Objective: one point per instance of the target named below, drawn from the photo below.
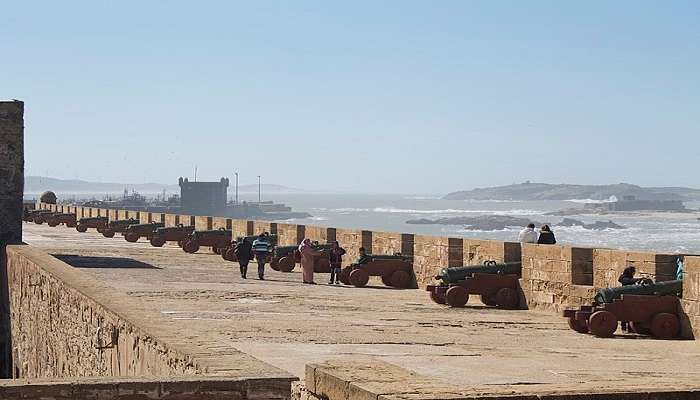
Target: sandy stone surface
(288, 324)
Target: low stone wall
(690, 324)
(287, 235)
(142, 389)
(67, 324)
(432, 253)
(351, 241)
(555, 277)
(609, 264)
(61, 330)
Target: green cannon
(456, 274)
(284, 258)
(649, 309)
(496, 283)
(645, 287)
(118, 226)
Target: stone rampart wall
(690, 324)
(608, 265)
(67, 324)
(59, 329)
(142, 389)
(554, 277)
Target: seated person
(364, 258)
(627, 277)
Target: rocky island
(529, 191)
(501, 222)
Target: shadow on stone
(102, 262)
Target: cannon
(395, 271)
(41, 216)
(171, 234)
(57, 219)
(650, 308)
(228, 253)
(284, 258)
(496, 283)
(217, 239)
(28, 215)
(134, 232)
(98, 223)
(119, 225)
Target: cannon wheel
(602, 323)
(53, 223)
(81, 228)
(578, 325)
(286, 263)
(216, 250)
(665, 326)
(323, 265)
(489, 299)
(38, 220)
(456, 296)
(507, 298)
(359, 278)
(437, 297)
(108, 233)
(640, 328)
(274, 263)
(386, 279)
(157, 242)
(226, 253)
(131, 237)
(345, 275)
(190, 246)
(400, 279)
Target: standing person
(528, 235)
(244, 252)
(546, 236)
(307, 261)
(625, 279)
(262, 249)
(336, 259)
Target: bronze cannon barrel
(607, 295)
(456, 274)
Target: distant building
(203, 198)
(630, 203)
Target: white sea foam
(612, 199)
(393, 210)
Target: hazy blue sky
(383, 96)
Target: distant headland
(531, 191)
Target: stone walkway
(289, 325)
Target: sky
(358, 96)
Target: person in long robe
(307, 261)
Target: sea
(653, 231)
(657, 231)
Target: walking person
(528, 235)
(336, 259)
(546, 236)
(307, 261)
(244, 252)
(262, 249)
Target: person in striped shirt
(262, 249)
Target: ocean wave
(423, 198)
(393, 210)
(592, 201)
